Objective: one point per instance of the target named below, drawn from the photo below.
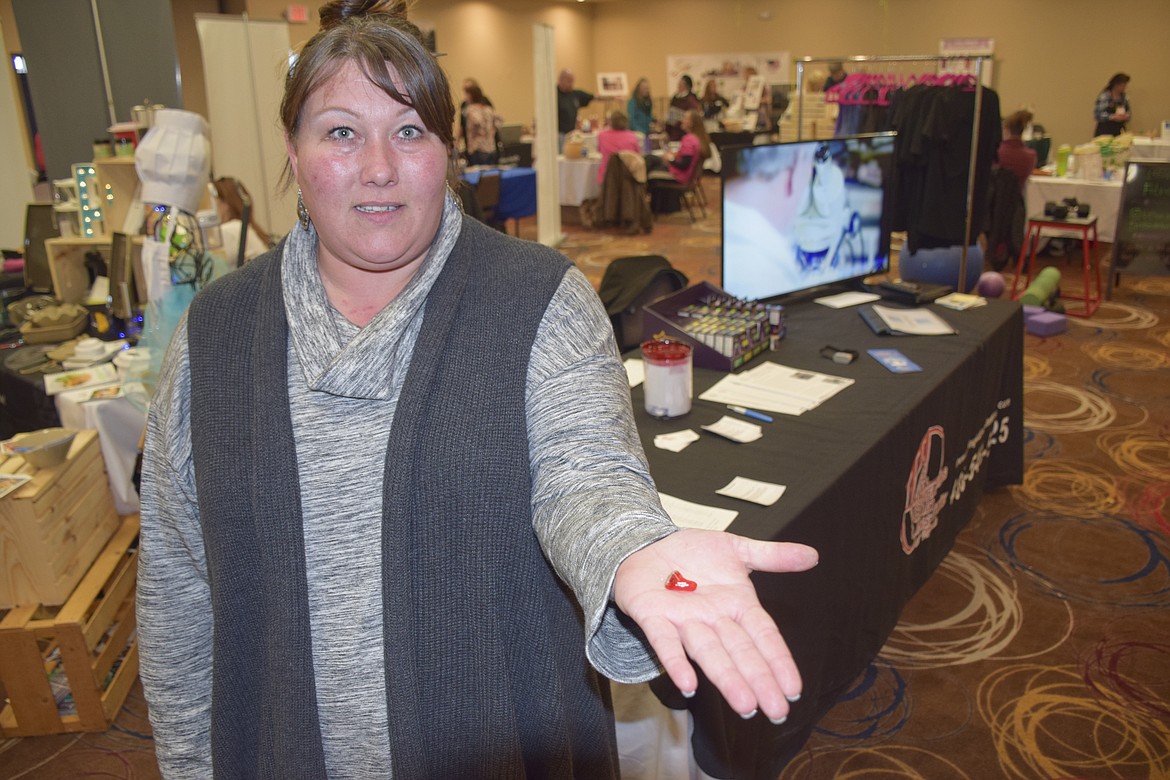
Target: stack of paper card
(961, 301)
(914, 322)
(845, 299)
(737, 430)
(675, 442)
(687, 514)
(771, 387)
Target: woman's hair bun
(336, 11)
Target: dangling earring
(302, 212)
(453, 195)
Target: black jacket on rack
(933, 157)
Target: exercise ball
(991, 284)
(941, 266)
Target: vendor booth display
(53, 526)
(70, 669)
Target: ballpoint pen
(750, 413)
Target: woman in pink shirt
(617, 137)
(693, 149)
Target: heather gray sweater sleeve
(593, 501)
(173, 601)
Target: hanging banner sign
(967, 47)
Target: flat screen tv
(805, 215)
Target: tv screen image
(806, 214)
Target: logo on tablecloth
(925, 496)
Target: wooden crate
(53, 527)
(66, 255)
(86, 649)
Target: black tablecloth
(24, 406)
(880, 479)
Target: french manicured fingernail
(749, 715)
(778, 721)
(687, 694)
(793, 698)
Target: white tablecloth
(579, 179)
(119, 424)
(1149, 149)
(654, 742)
(1103, 197)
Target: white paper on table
(635, 371)
(737, 390)
(675, 442)
(810, 386)
(916, 322)
(102, 374)
(846, 299)
(686, 514)
(765, 493)
(10, 482)
(741, 431)
(771, 387)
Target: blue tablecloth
(517, 192)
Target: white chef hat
(174, 160)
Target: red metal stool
(1087, 227)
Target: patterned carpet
(1040, 648)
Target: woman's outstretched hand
(720, 624)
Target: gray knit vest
(484, 646)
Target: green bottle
(1062, 155)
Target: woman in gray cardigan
(396, 517)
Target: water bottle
(1062, 155)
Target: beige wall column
(548, 179)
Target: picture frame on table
(612, 85)
(753, 93)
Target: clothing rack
(937, 58)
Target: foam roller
(1043, 288)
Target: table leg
(1091, 297)
(1097, 268)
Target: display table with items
(880, 478)
(1102, 197)
(517, 191)
(39, 392)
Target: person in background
(684, 100)
(1013, 154)
(617, 137)
(343, 572)
(693, 149)
(1112, 111)
(468, 83)
(836, 76)
(640, 108)
(713, 103)
(569, 102)
(480, 134)
(230, 194)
